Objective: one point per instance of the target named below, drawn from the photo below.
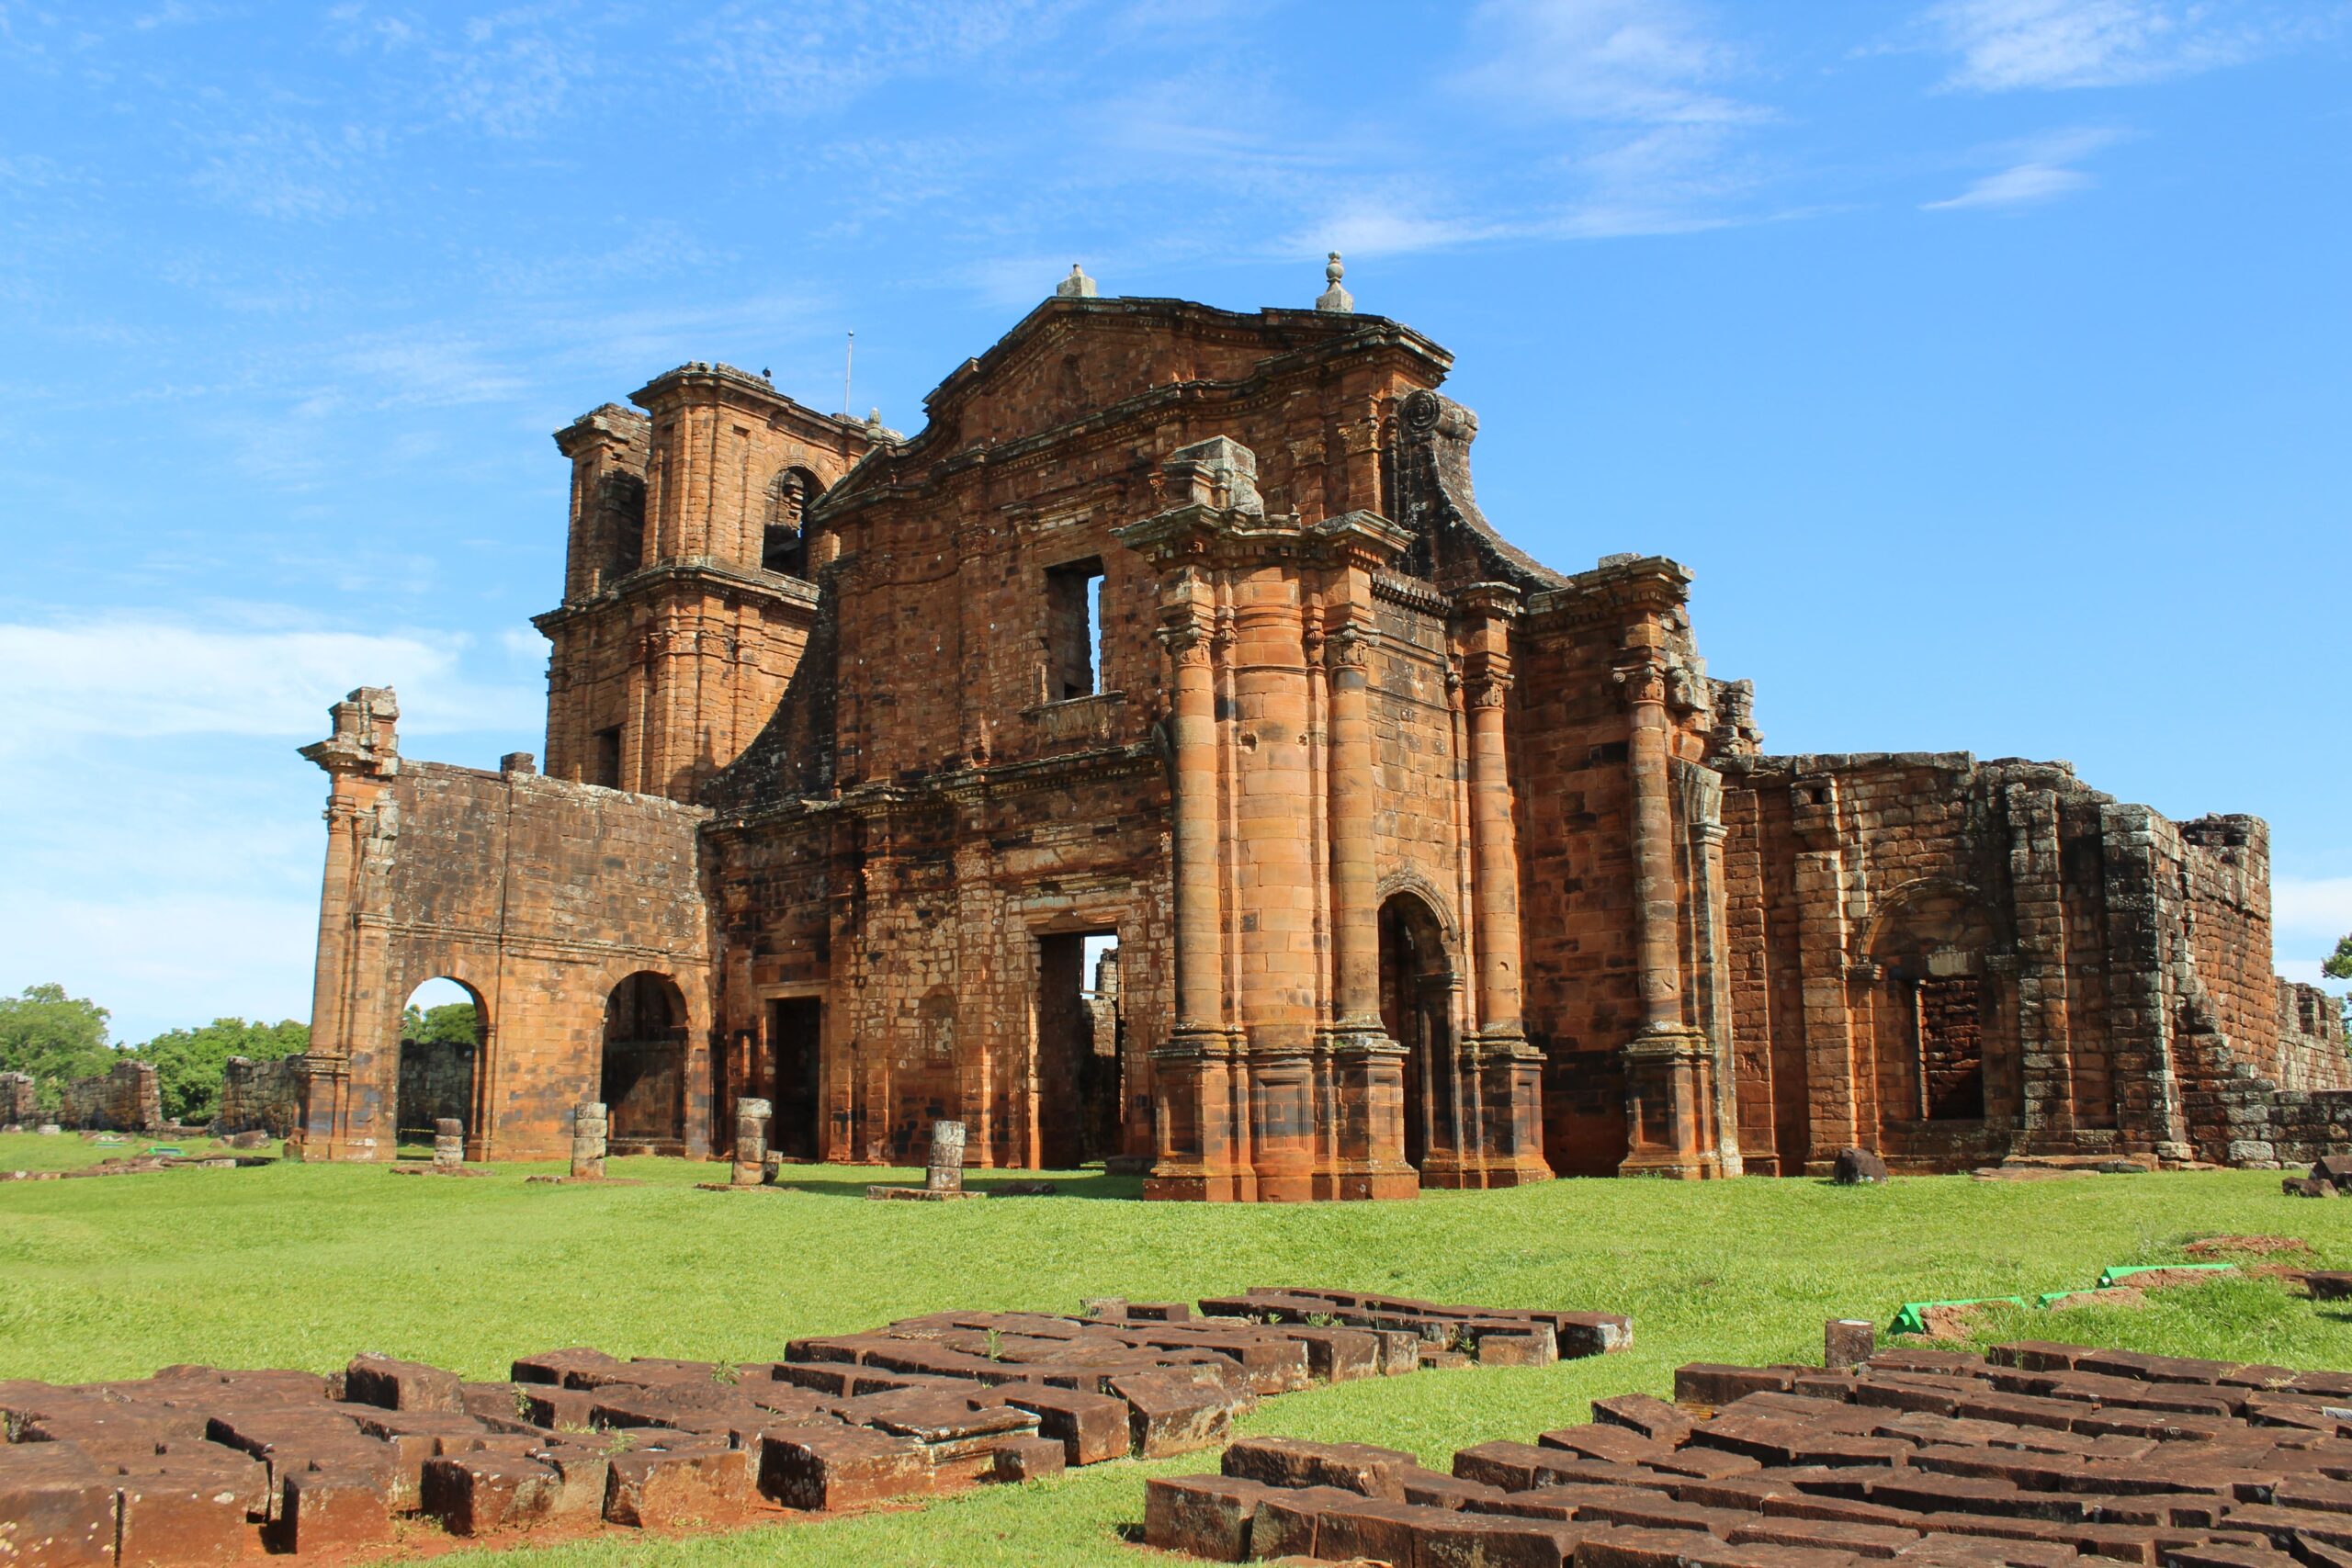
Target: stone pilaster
(1670, 1115)
(1501, 1073)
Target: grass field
(306, 1265)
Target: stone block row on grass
(2036, 1455)
(196, 1465)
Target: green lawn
(306, 1265)
(71, 1151)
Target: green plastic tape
(2116, 1276)
(1913, 1318)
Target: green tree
(452, 1023)
(2338, 964)
(54, 1037)
(190, 1062)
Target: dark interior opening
(1073, 630)
(796, 1033)
(1416, 1007)
(784, 544)
(644, 1079)
(1080, 1033)
(1950, 1019)
(604, 758)
(623, 504)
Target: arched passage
(1416, 1009)
(443, 1026)
(644, 1077)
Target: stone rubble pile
(2330, 1175)
(198, 1465)
(2037, 1456)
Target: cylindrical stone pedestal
(449, 1144)
(946, 1157)
(751, 1142)
(588, 1131)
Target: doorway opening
(1416, 1009)
(644, 1077)
(795, 1043)
(1080, 1034)
(441, 1035)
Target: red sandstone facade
(1427, 865)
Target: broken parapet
(260, 1097)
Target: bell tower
(688, 586)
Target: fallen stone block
(1029, 1459)
(1359, 1468)
(1856, 1167)
(330, 1510)
(1201, 1515)
(692, 1483)
(57, 1508)
(558, 1366)
(840, 1466)
(402, 1385)
(1090, 1428)
(1169, 1414)
(476, 1494)
(173, 1516)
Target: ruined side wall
(2313, 1049)
(1575, 889)
(260, 1097)
(127, 1099)
(20, 1101)
(918, 925)
(538, 896)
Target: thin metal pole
(848, 358)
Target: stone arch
(1405, 879)
(784, 539)
(1942, 1011)
(644, 1064)
(436, 1074)
(1418, 981)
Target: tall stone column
(360, 758)
(1368, 1066)
(1194, 1067)
(1671, 1123)
(1501, 1069)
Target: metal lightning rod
(848, 358)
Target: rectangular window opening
(604, 758)
(1073, 630)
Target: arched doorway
(442, 1029)
(644, 1079)
(1416, 1009)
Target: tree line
(58, 1038)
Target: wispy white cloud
(2003, 45)
(143, 676)
(2038, 170)
(801, 60)
(1632, 62)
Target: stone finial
(1077, 286)
(1334, 298)
(1219, 472)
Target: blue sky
(1985, 358)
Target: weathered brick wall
(538, 895)
(19, 1104)
(264, 1096)
(2313, 1049)
(126, 1098)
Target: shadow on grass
(854, 1180)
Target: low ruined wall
(126, 1100)
(540, 897)
(436, 1083)
(2312, 1052)
(19, 1105)
(265, 1097)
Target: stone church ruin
(1176, 632)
